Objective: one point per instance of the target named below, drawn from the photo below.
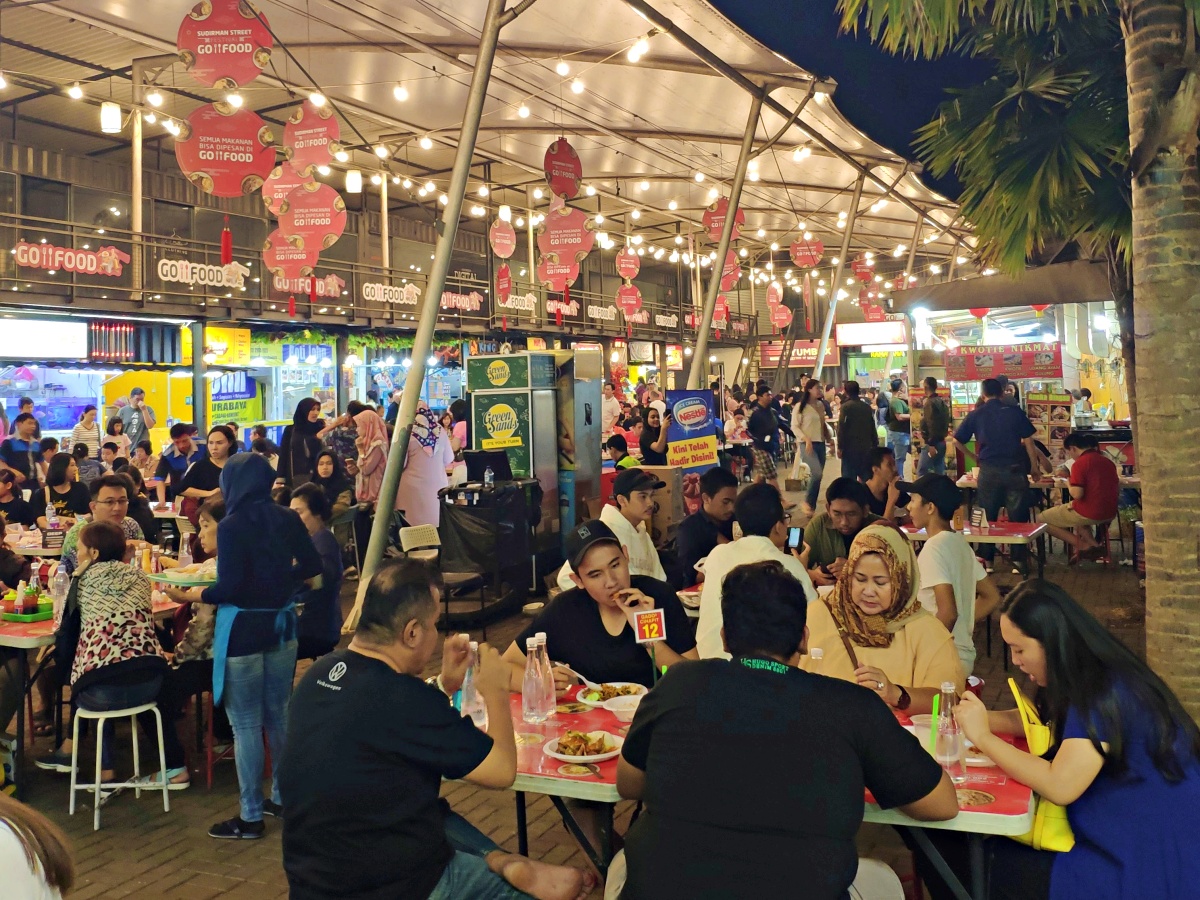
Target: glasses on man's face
(124, 501)
(787, 517)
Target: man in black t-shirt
(368, 745)
(12, 505)
(716, 823)
(886, 500)
(708, 526)
(588, 627)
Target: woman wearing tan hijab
(871, 628)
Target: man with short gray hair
(137, 417)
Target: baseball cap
(586, 536)
(939, 490)
(635, 479)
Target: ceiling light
(961, 260)
(752, 175)
(576, 86)
(395, 179)
(483, 190)
(672, 205)
(150, 118)
(674, 257)
(935, 269)
(562, 68)
(443, 199)
(743, 253)
(801, 153)
(538, 194)
(342, 156)
(377, 179)
(699, 176)
(154, 98)
(505, 213)
(110, 117)
(323, 170)
(234, 100)
(75, 92)
(841, 223)
(774, 246)
(835, 260)
(400, 92)
(406, 184)
(590, 191)
(639, 49)
(599, 218)
(842, 214)
(761, 232)
(678, 239)
(520, 223)
(381, 151)
(713, 193)
(426, 143)
(477, 210)
(645, 185)
(353, 181)
(636, 214)
(430, 187)
(317, 99)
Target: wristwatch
(904, 700)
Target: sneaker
(237, 829)
(55, 762)
(273, 809)
(351, 573)
(152, 781)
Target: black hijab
(337, 483)
(300, 423)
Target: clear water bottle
(60, 584)
(472, 701)
(533, 687)
(51, 517)
(547, 674)
(185, 555)
(489, 477)
(950, 747)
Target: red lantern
(1039, 309)
(226, 244)
(979, 312)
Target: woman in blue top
(1124, 761)
(264, 555)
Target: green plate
(189, 579)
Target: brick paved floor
(141, 851)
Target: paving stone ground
(140, 851)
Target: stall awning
(1079, 281)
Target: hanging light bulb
(110, 117)
(483, 190)
(636, 214)
(353, 181)
(599, 218)
(505, 213)
(699, 176)
(395, 179)
(645, 185)
(234, 100)
(576, 86)
(801, 153)
(430, 187)
(75, 92)
(523, 111)
(538, 194)
(406, 184)
(3, 81)
(381, 151)
(590, 191)
(342, 156)
(155, 98)
(150, 118)
(323, 170)
(520, 223)
(639, 49)
(317, 99)
(678, 239)
(672, 205)
(443, 199)
(562, 68)
(377, 179)
(400, 92)
(426, 143)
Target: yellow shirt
(921, 655)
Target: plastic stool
(1102, 536)
(131, 713)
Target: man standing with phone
(137, 417)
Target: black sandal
(42, 727)
(237, 829)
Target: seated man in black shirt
(368, 746)
(588, 627)
(713, 825)
(887, 500)
(12, 505)
(708, 526)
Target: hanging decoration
(503, 291)
(774, 294)
(1040, 309)
(979, 312)
(224, 151)
(285, 260)
(806, 253)
(731, 272)
(223, 44)
(566, 234)
(720, 317)
(714, 220)
(310, 137)
(226, 244)
(313, 216)
(564, 171)
(806, 294)
(628, 264)
(282, 181)
(503, 239)
(781, 316)
(556, 276)
(863, 268)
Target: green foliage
(1041, 147)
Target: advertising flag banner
(691, 440)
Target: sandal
(42, 727)
(237, 829)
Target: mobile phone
(794, 535)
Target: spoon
(590, 684)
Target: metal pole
(135, 199)
(532, 270)
(912, 331)
(385, 239)
(714, 282)
(199, 382)
(494, 20)
(836, 286)
(953, 262)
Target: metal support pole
(199, 382)
(700, 357)
(953, 262)
(385, 238)
(341, 350)
(532, 251)
(494, 20)
(912, 331)
(835, 286)
(138, 74)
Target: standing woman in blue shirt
(264, 554)
(1124, 761)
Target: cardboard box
(668, 503)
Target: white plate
(641, 689)
(976, 758)
(551, 749)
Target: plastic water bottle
(547, 675)
(489, 477)
(185, 555)
(51, 517)
(472, 702)
(59, 586)
(533, 687)
(950, 749)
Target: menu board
(1037, 360)
(1051, 418)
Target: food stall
(1034, 368)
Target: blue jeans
(257, 690)
(468, 875)
(101, 697)
(816, 464)
(466, 838)
(932, 460)
(899, 441)
(1008, 487)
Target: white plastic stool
(98, 787)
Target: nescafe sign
(223, 44)
(224, 151)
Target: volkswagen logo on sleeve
(335, 674)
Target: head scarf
(371, 432)
(426, 428)
(897, 552)
(300, 421)
(246, 479)
(335, 484)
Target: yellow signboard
(231, 345)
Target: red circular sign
(565, 235)
(564, 171)
(774, 293)
(222, 44)
(714, 220)
(721, 309)
(503, 239)
(503, 283)
(556, 275)
(629, 299)
(310, 137)
(286, 261)
(863, 268)
(314, 216)
(781, 316)
(807, 254)
(224, 151)
(282, 181)
(629, 264)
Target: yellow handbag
(1051, 830)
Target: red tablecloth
(532, 739)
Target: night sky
(887, 97)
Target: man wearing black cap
(633, 494)
(954, 586)
(588, 627)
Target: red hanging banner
(555, 275)
(503, 239)
(714, 220)
(282, 181)
(224, 151)
(863, 269)
(628, 264)
(564, 171)
(310, 137)
(731, 272)
(313, 216)
(286, 261)
(566, 235)
(781, 316)
(503, 283)
(222, 43)
(629, 299)
(774, 294)
(807, 254)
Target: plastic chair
(101, 717)
(423, 542)
(1102, 536)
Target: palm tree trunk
(1166, 288)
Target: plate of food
(584, 747)
(608, 690)
(195, 575)
(973, 757)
